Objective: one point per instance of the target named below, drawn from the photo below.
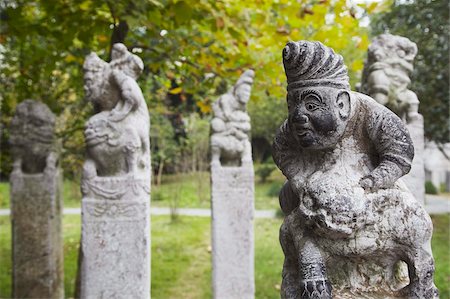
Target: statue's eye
(311, 106)
(312, 102)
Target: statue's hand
(367, 183)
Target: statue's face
(318, 116)
(32, 131)
(243, 92)
(93, 85)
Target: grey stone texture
(230, 127)
(232, 195)
(36, 204)
(115, 242)
(386, 79)
(351, 226)
(232, 232)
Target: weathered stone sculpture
(36, 204)
(115, 245)
(232, 194)
(386, 79)
(350, 224)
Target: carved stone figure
(232, 194)
(386, 79)
(386, 74)
(115, 251)
(230, 143)
(350, 224)
(36, 204)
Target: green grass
(181, 266)
(181, 258)
(191, 190)
(441, 253)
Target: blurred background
(193, 51)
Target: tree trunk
(118, 35)
(160, 171)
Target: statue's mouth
(304, 132)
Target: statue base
(37, 249)
(232, 204)
(115, 244)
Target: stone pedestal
(115, 238)
(36, 235)
(415, 179)
(232, 231)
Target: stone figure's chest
(330, 190)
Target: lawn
(181, 266)
(181, 256)
(191, 190)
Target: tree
(425, 22)
(194, 49)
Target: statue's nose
(301, 119)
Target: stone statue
(350, 224)
(115, 251)
(386, 74)
(36, 204)
(232, 194)
(117, 136)
(32, 140)
(386, 79)
(231, 124)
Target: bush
(430, 188)
(264, 171)
(274, 190)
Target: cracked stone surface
(351, 228)
(36, 204)
(115, 244)
(232, 194)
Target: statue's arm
(130, 93)
(394, 146)
(286, 159)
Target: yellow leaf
(70, 58)
(85, 5)
(102, 38)
(204, 107)
(176, 90)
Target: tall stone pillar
(232, 194)
(115, 241)
(386, 79)
(36, 204)
(415, 179)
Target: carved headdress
(313, 64)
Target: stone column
(415, 179)
(232, 194)
(115, 241)
(36, 204)
(386, 78)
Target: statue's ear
(343, 104)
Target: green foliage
(194, 50)
(430, 188)
(264, 171)
(425, 22)
(274, 189)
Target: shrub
(430, 188)
(264, 171)
(274, 190)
